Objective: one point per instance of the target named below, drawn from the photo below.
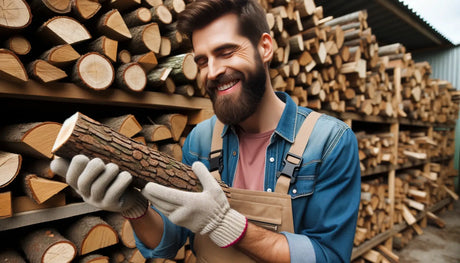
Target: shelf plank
(69, 92)
(45, 215)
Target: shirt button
(269, 190)
(272, 159)
(294, 191)
(234, 153)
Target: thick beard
(233, 110)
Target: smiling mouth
(227, 85)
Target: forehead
(223, 30)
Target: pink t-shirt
(250, 171)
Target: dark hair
(198, 14)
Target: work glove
(207, 212)
(101, 185)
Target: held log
(83, 135)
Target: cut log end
(94, 71)
(65, 132)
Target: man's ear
(266, 47)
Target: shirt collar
(288, 122)
(286, 126)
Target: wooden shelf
(45, 215)
(69, 92)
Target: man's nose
(215, 68)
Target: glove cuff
(230, 230)
(138, 210)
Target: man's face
(231, 69)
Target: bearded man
(294, 173)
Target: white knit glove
(206, 212)
(102, 186)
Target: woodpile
(117, 44)
(105, 238)
(374, 211)
(375, 149)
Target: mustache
(224, 78)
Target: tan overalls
(271, 210)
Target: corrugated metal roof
(391, 22)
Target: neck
(268, 114)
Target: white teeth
(226, 86)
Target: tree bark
(83, 135)
(48, 246)
(91, 233)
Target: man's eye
(227, 53)
(201, 63)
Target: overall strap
(215, 156)
(293, 158)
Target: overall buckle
(291, 164)
(216, 162)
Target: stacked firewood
(124, 44)
(374, 211)
(417, 189)
(91, 238)
(375, 149)
(427, 99)
(414, 146)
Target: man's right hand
(102, 185)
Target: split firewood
(112, 25)
(186, 90)
(16, 14)
(10, 255)
(18, 44)
(137, 17)
(45, 72)
(105, 46)
(10, 165)
(48, 7)
(435, 219)
(131, 77)
(175, 122)
(24, 203)
(35, 139)
(47, 245)
(175, 6)
(123, 228)
(172, 149)
(124, 56)
(85, 9)
(6, 207)
(126, 254)
(125, 124)
(145, 38)
(165, 47)
(161, 15)
(94, 71)
(148, 60)
(83, 135)
(94, 258)
(184, 69)
(155, 132)
(57, 30)
(60, 55)
(41, 189)
(12, 68)
(91, 233)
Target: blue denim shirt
(325, 196)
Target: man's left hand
(206, 212)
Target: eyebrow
(217, 50)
